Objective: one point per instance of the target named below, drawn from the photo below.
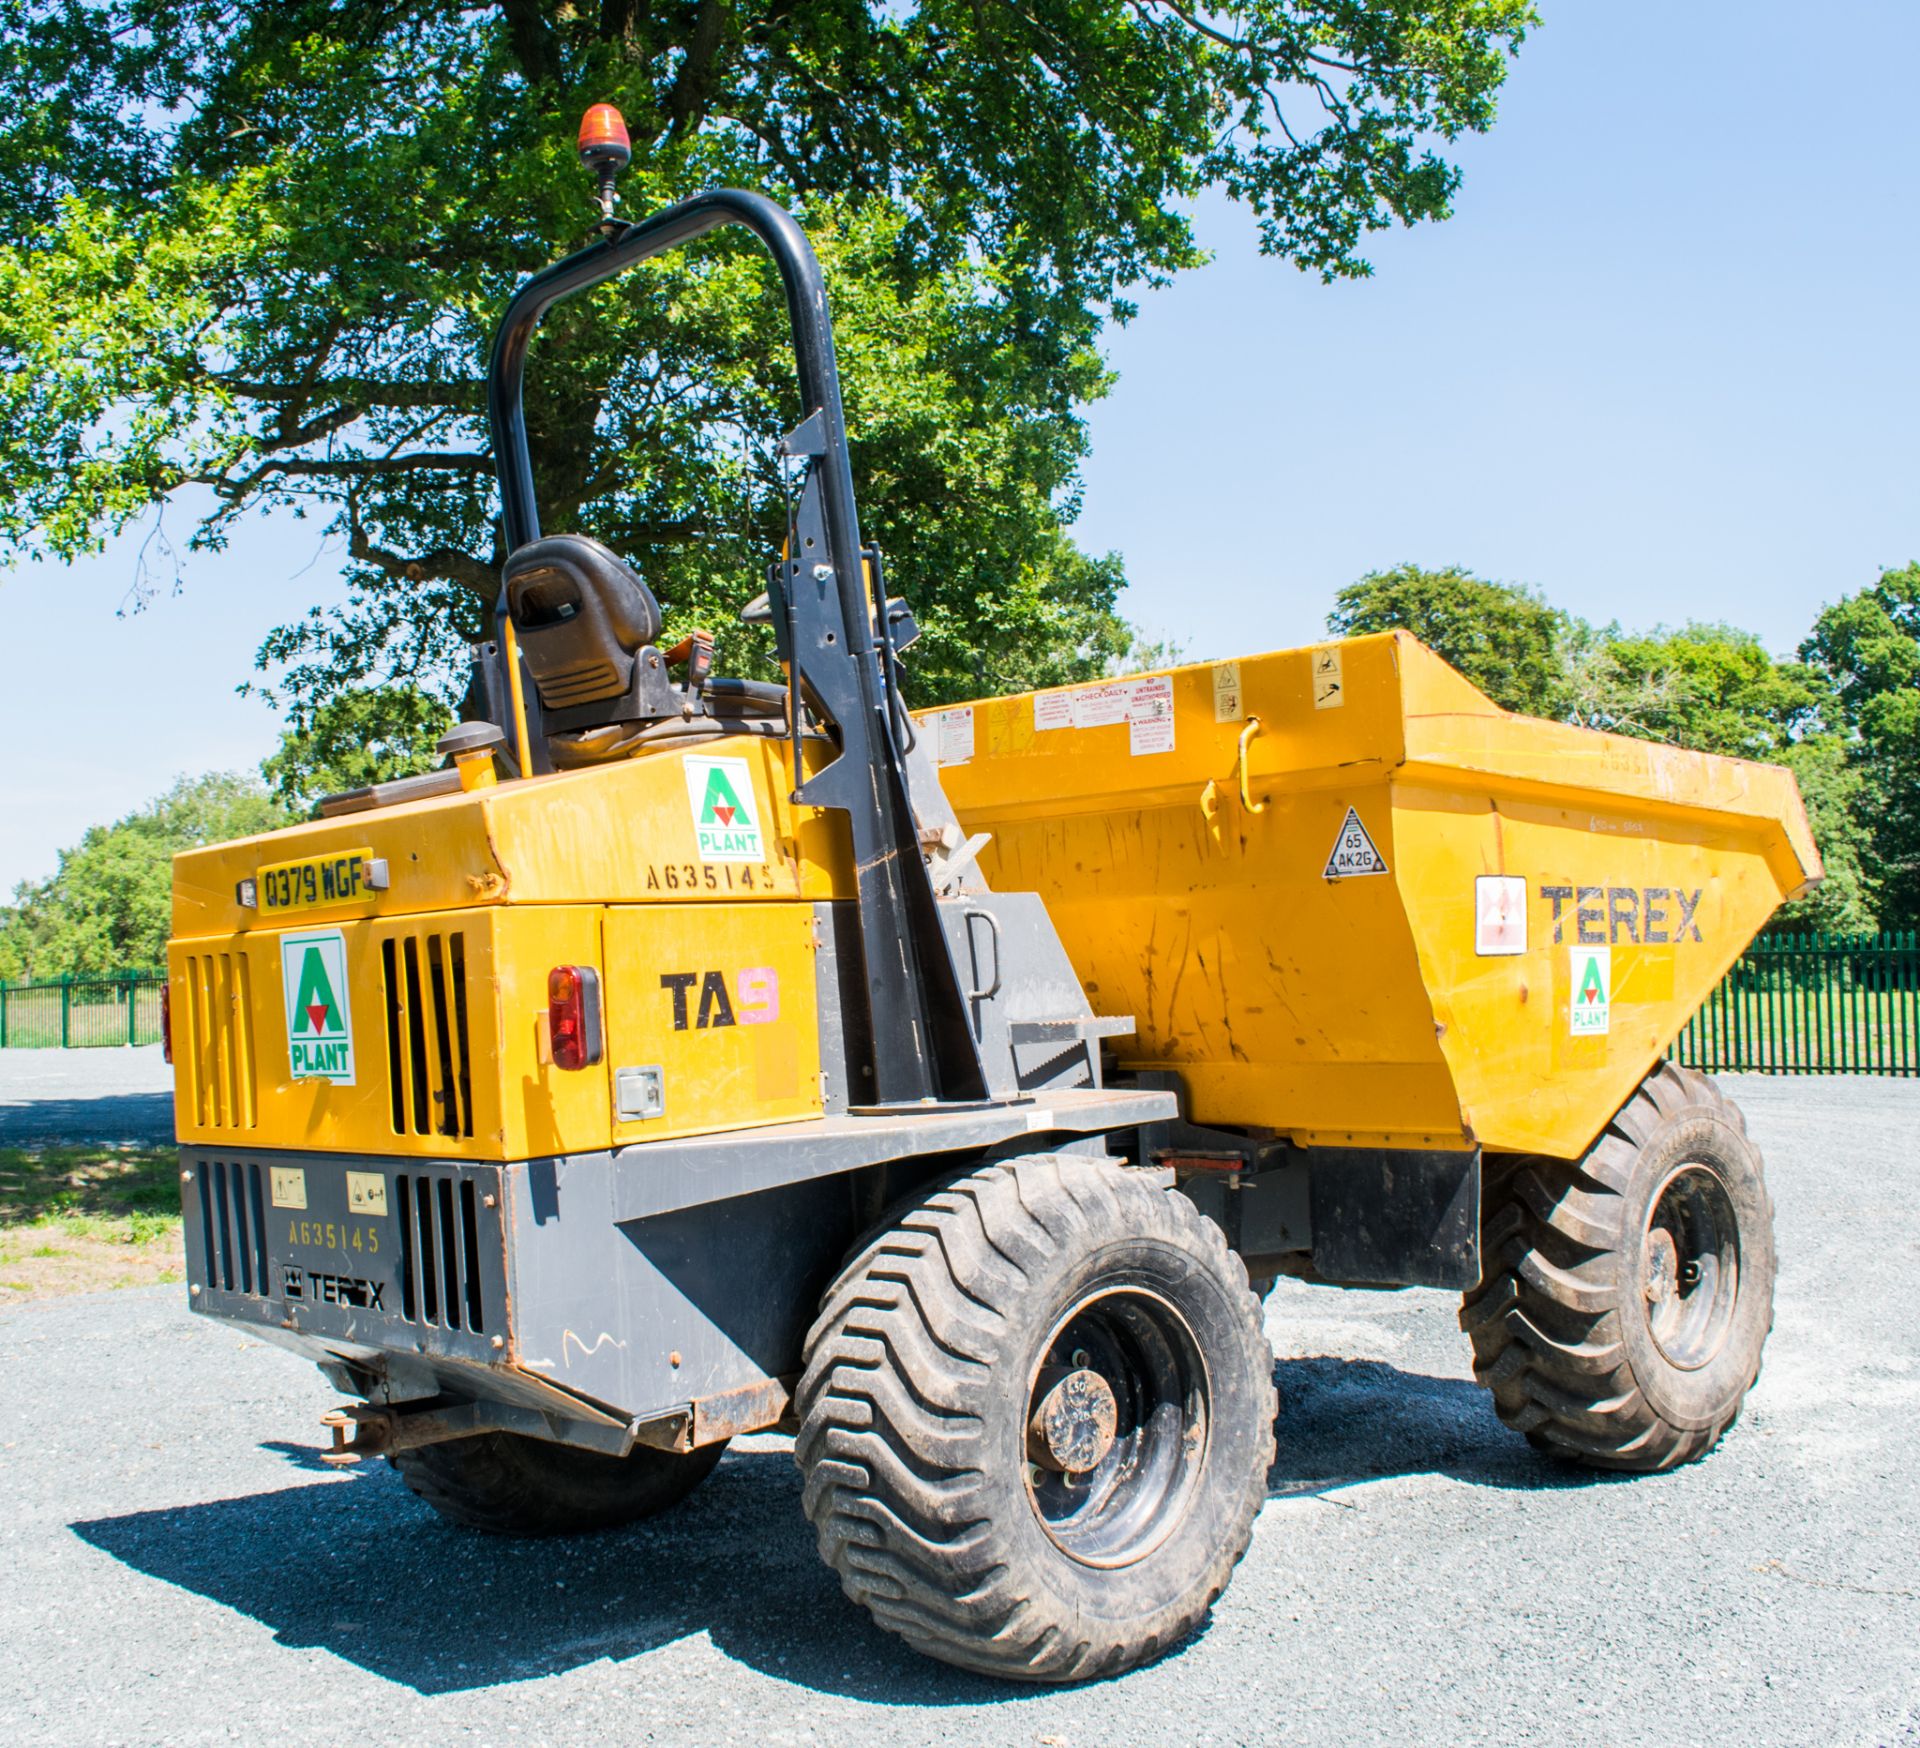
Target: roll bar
(806, 291)
(922, 1042)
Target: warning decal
(1499, 915)
(953, 735)
(1228, 703)
(1353, 852)
(1329, 691)
(1590, 1011)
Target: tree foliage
(1505, 639)
(108, 905)
(355, 737)
(256, 252)
(1869, 645)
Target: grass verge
(74, 1219)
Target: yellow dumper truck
(694, 1057)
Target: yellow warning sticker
(366, 1192)
(1329, 691)
(289, 1187)
(1228, 703)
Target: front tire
(504, 1484)
(1627, 1299)
(1036, 1421)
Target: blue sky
(1663, 364)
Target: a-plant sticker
(724, 820)
(313, 971)
(1589, 1012)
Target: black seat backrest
(581, 615)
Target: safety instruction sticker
(1052, 710)
(313, 972)
(1145, 705)
(1103, 705)
(953, 735)
(725, 821)
(1499, 915)
(289, 1186)
(1228, 703)
(366, 1192)
(1329, 691)
(1150, 717)
(1353, 852)
(1589, 1013)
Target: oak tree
(254, 253)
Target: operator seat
(586, 625)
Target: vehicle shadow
(357, 1566)
(360, 1568)
(1344, 1422)
(144, 1119)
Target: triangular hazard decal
(1353, 852)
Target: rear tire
(1627, 1299)
(1036, 1420)
(506, 1485)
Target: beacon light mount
(605, 150)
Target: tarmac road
(177, 1568)
(112, 1094)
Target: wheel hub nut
(1073, 1422)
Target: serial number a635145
(342, 1235)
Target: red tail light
(166, 1022)
(573, 1016)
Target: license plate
(316, 882)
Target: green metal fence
(74, 1012)
(1813, 1004)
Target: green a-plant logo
(724, 820)
(313, 971)
(1590, 1011)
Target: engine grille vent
(233, 1224)
(440, 1249)
(217, 1041)
(429, 1070)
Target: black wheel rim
(1690, 1275)
(1122, 1508)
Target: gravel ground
(85, 1095)
(179, 1569)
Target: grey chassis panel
(259, 1261)
(675, 1271)
(650, 1316)
(1367, 1216)
(660, 1177)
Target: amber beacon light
(605, 150)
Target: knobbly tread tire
(1558, 1321)
(503, 1484)
(915, 1382)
